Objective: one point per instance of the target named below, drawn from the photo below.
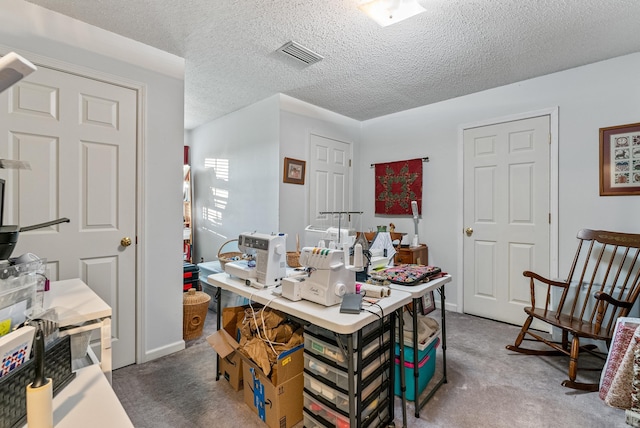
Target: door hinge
(349, 163)
(549, 218)
(549, 138)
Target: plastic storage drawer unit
(190, 276)
(331, 351)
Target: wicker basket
(224, 257)
(195, 306)
(293, 259)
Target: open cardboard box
(277, 401)
(225, 344)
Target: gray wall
(234, 166)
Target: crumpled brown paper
(258, 329)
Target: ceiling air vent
(299, 52)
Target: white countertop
(75, 302)
(328, 317)
(88, 401)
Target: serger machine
(328, 278)
(270, 258)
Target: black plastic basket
(13, 387)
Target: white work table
(328, 317)
(80, 309)
(89, 400)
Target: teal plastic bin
(426, 369)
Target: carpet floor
(488, 386)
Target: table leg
(444, 335)
(105, 348)
(403, 386)
(351, 387)
(443, 380)
(218, 326)
(416, 361)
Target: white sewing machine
(339, 236)
(270, 257)
(328, 279)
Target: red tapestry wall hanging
(397, 184)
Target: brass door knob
(125, 242)
(468, 231)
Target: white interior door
(329, 179)
(506, 215)
(79, 136)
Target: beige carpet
(488, 386)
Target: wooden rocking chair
(605, 286)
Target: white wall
(298, 120)
(590, 97)
(246, 140)
(27, 28)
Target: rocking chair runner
(603, 284)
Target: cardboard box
(224, 342)
(231, 370)
(277, 401)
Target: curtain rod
(423, 160)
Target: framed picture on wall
(620, 160)
(293, 171)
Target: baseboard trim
(163, 351)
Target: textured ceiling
(457, 47)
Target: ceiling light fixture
(387, 12)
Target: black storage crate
(13, 387)
(190, 276)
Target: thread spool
(375, 291)
(358, 261)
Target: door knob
(125, 242)
(468, 231)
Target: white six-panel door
(329, 179)
(79, 136)
(506, 215)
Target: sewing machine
(339, 236)
(270, 258)
(328, 277)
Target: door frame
(552, 112)
(141, 143)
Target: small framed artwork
(620, 160)
(428, 304)
(293, 171)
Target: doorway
(509, 213)
(80, 137)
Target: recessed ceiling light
(387, 12)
